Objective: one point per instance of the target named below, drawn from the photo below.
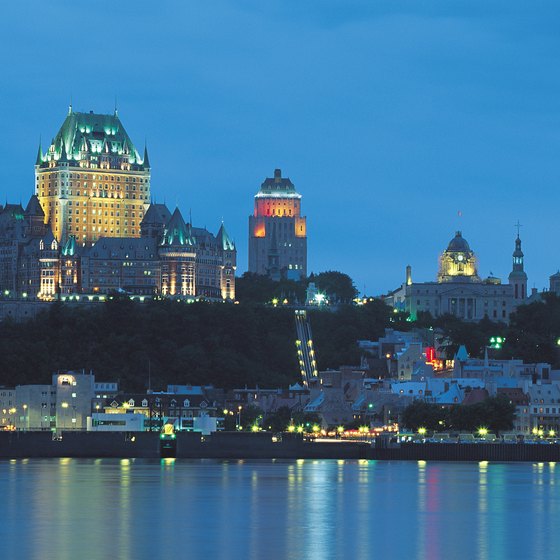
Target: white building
(7, 408)
(65, 404)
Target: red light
(430, 354)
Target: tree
(251, 415)
(280, 420)
(338, 286)
(420, 414)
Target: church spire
(518, 276)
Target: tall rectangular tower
(277, 231)
(92, 182)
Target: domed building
(460, 291)
(458, 263)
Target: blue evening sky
(389, 117)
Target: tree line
(229, 346)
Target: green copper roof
(15, 211)
(83, 134)
(177, 232)
(69, 249)
(224, 239)
(39, 155)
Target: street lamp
(25, 417)
(239, 408)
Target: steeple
(39, 154)
(518, 256)
(224, 239)
(63, 154)
(518, 276)
(146, 162)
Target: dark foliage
(221, 344)
(255, 288)
(495, 413)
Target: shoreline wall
(236, 445)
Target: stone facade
(278, 231)
(460, 291)
(171, 258)
(90, 227)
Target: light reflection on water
(68, 508)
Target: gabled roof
(224, 240)
(475, 396)
(49, 238)
(177, 232)
(34, 207)
(14, 211)
(462, 354)
(157, 214)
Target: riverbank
(235, 445)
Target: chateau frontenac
(91, 228)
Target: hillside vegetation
(234, 345)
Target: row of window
(53, 175)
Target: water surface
(66, 509)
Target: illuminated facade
(171, 258)
(92, 182)
(90, 227)
(278, 231)
(460, 291)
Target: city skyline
(390, 120)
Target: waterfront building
(460, 291)
(194, 410)
(65, 404)
(278, 231)
(7, 408)
(542, 412)
(92, 182)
